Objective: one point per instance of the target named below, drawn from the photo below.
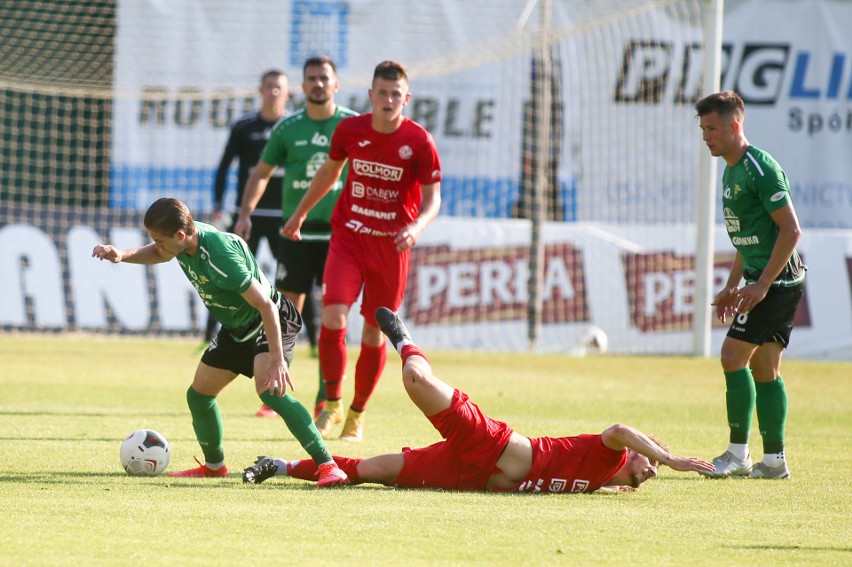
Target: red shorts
(369, 262)
(467, 457)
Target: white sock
(739, 450)
(282, 466)
(774, 459)
(215, 466)
(401, 344)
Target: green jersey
(300, 145)
(221, 270)
(754, 188)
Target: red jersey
(473, 443)
(571, 464)
(383, 191)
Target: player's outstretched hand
(107, 252)
(689, 464)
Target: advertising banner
(466, 289)
(623, 91)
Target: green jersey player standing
(299, 143)
(764, 229)
(259, 330)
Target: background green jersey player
(764, 229)
(299, 143)
(259, 330)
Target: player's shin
(300, 423)
(207, 423)
(772, 414)
(739, 397)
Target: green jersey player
(259, 330)
(299, 143)
(764, 229)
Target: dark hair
(726, 103)
(274, 73)
(167, 216)
(390, 71)
(318, 60)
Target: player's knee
(735, 357)
(416, 370)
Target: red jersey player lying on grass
(480, 453)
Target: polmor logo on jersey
(490, 284)
(661, 291)
(377, 170)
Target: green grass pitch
(67, 402)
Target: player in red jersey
(480, 453)
(392, 192)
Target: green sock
(207, 422)
(772, 414)
(300, 424)
(321, 390)
(739, 399)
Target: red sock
(368, 370)
(408, 351)
(332, 357)
(306, 469)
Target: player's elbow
(614, 434)
(796, 233)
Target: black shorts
(771, 321)
(300, 264)
(226, 353)
(262, 226)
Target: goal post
(706, 201)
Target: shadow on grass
(64, 478)
(771, 547)
(104, 413)
(172, 440)
(56, 477)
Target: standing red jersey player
(392, 193)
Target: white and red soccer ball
(144, 452)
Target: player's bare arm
(789, 233)
(619, 437)
(277, 373)
(321, 184)
(429, 207)
(254, 190)
(148, 254)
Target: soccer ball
(596, 341)
(591, 341)
(144, 453)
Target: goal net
(577, 114)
